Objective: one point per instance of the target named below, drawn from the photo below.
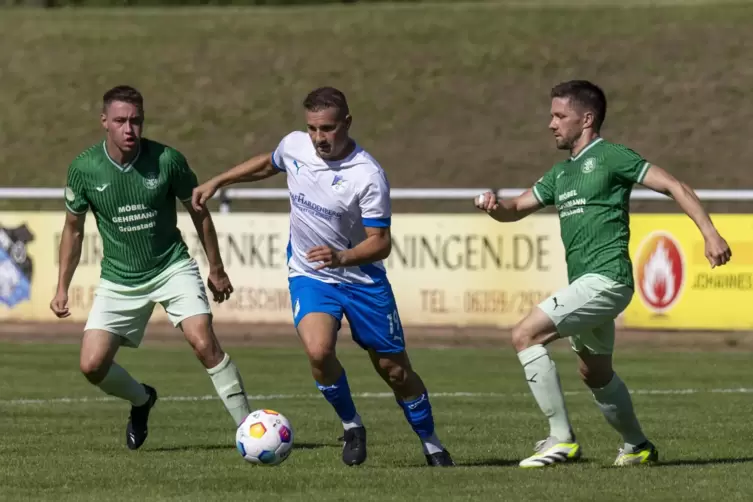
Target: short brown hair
(586, 94)
(327, 97)
(125, 94)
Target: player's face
(567, 123)
(328, 132)
(123, 123)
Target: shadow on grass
(505, 462)
(210, 447)
(489, 462)
(704, 461)
(192, 447)
(314, 446)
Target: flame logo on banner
(660, 271)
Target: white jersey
(331, 203)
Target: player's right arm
(517, 208)
(71, 240)
(254, 169)
(506, 210)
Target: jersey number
(394, 322)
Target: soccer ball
(265, 437)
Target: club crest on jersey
(15, 265)
(151, 181)
(588, 165)
(339, 184)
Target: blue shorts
(370, 310)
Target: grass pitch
(444, 95)
(55, 449)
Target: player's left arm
(375, 247)
(657, 179)
(183, 182)
(219, 282)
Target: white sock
(355, 423)
(120, 384)
(432, 445)
(542, 377)
(229, 385)
(615, 403)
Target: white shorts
(126, 310)
(585, 312)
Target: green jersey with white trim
(592, 194)
(134, 207)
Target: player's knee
(207, 350)
(93, 369)
(205, 345)
(320, 357)
(595, 377)
(395, 374)
(398, 376)
(521, 336)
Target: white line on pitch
(377, 395)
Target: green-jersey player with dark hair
(130, 184)
(591, 191)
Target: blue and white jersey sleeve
(278, 156)
(374, 200)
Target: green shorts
(126, 310)
(585, 312)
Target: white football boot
(551, 451)
(641, 455)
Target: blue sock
(338, 395)
(418, 414)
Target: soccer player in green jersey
(591, 191)
(130, 184)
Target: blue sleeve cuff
(377, 222)
(275, 164)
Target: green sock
(615, 403)
(229, 385)
(120, 384)
(542, 377)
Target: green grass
(444, 96)
(74, 451)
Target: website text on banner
(675, 285)
(458, 270)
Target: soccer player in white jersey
(340, 215)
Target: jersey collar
(587, 148)
(328, 165)
(125, 167)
